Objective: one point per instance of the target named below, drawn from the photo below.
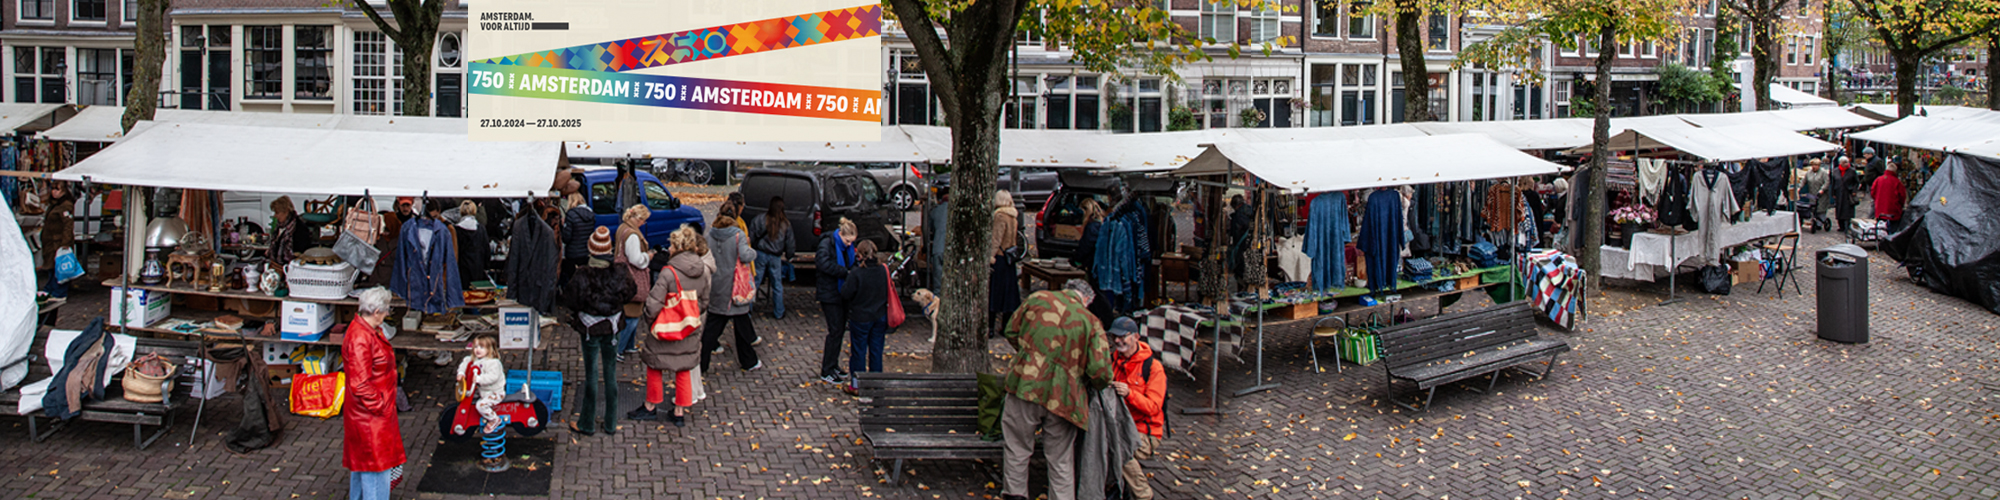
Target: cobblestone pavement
(1714, 397)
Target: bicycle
(690, 171)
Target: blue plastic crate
(547, 388)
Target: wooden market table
(407, 339)
(1046, 271)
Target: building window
(97, 77)
(1360, 24)
(1791, 51)
(1218, 21)
(1562, 98)
(264, 62)
(1358, 94)
(130, 10)
(1026, 37)
(1152, 108)
(1264, 23)
(378, 75)
(1650, 50)
(38, 75)
(125, 57)
(38, 9)
(87, 10)
(1021, 110)
(1439, 36)
(312, 58)
(1812, 46)
(1326, 18)
(1073, 102)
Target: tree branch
(380, 23)
(931, 53)
(1942, 44)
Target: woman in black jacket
(578, 222)
(835, 256)
(597, 294)
(866, 292)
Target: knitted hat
(600, 241)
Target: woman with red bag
(866, 292)
(686, 271)
(373, 443)
(731, 249)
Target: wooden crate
(1300, 310)
(1468, 282)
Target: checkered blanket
(1172, 331)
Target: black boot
(642, 413)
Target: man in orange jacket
(1143, 384)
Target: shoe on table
(642, 414)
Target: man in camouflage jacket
(1061, 354)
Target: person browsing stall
(1142, 381)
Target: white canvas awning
(895, 147)
(1974, 136)
(101, 123)
(1731, 143)
(1526, 135)
(1800, 119)
(293, 160)
(17, 115)
(1796, 99)
(1322, 166)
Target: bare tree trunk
(1992, 50)
(1764, 59)
(414, 31)
(417, 73)
(1590, 257)
(1906, 81)
(151, 42)
(1416, 75)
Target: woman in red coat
(373, 448)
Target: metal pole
(1222, 303)
(1263, 294)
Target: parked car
(904, 182)
(1059, 224)
(815, 200)
(1036, 184)
(668, 212)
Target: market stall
(1682, 196)
(355, 158)
(1441, 176)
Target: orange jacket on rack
(1148, 392)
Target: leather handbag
(743, 290)
(680, 316)
(357, 252)
(895, 304)
(364, 224)
(148, 379)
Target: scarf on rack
(1652, 174)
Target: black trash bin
(1843, 293)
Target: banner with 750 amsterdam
(675, 70)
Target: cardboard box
(305, 321)
(207, 385)
(147, 307)
(282, 374)
(520, 328)
(280, 353)
(1748, 271)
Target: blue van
(668, 212)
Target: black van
(815, 200)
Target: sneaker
(718, 350)
(758, 366)
(758, 342)
(850, 389)
(642, 414)
(830, 379)
(621, 358)
(443, 359)
(678, 420)
(634, 350)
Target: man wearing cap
(1874, 166)
(1142, 381)
(1061, 356)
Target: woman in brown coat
(1003, 283)
(58, 232)
(680, 357)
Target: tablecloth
(1649, 255)
(1172, 332)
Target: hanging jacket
(1086, 245)
(1771, 179)
(1673, 205)
(426, 274)
(81, 378)
(1382, 237)
(532, 258)
(1104, 448)
(1326, 240)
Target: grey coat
(683, 354)
(729, 246)
(1112, 439)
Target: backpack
(1166, 417)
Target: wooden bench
(922, 415)
(114, 408)
(1460, 346)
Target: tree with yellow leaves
(1606, 23)
(1911, 30)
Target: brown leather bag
(363, 223)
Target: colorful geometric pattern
(638, 89)
(708, 43)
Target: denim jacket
(427, 278)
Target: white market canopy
(1719, 144)
(1796, 99)
(1972, 134)
(1526, 135)
(1325, 166)
(17, 115)
(1799, 119)
(293, 160)
(101, 123)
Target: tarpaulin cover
(17, 301)
(1952, 243)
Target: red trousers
(683, 388)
